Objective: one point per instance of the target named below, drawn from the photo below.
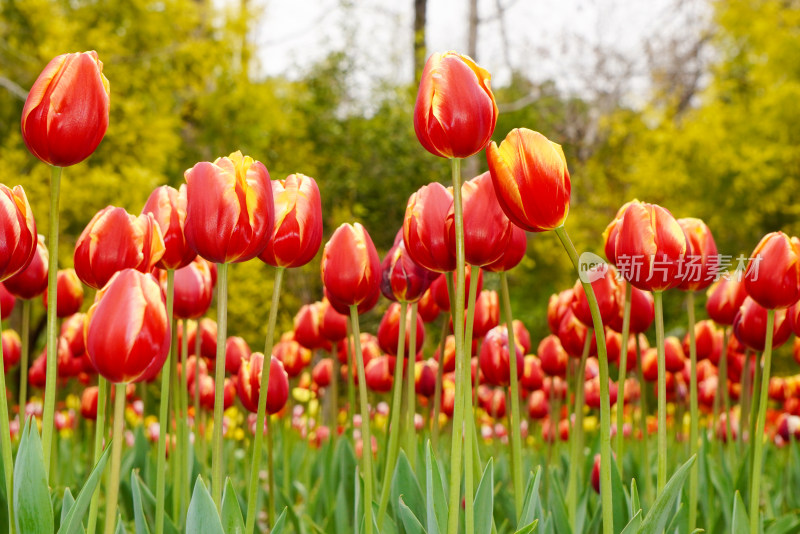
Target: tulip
(12, 349)
(531, 179)
(675, 358)
(350, 266)
(725, 297)
(115, 240)
(591, 392)
(642, 311)
(448, 361)
(7, 302)
(72, 332)
(297, 230)
(427, 307)
(455, 112)
(208, 338)
(292, 355)
(538, 407)
(702, 259)
(378, 373)
(248, 384)
(334, 324)
(611, 232)
(573, 335)
(32, 281)
(441, 292)
(307, 326)
(66, 113)
(552, 356)
(370, 348)
(608, 292)
(389, 331)
(18, 239)
(193, 291)
(487, 313)
(89, 403)
(236, 351)
(69, 293)
(322, 374)
(513, 253)
(425, 233)
(750, 326)
(532, 373)
(557, 306)
(425, 378)
(494, 357)
(402, 279)
(708, 340)
(229, 208)
(772, 277)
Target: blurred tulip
(425, 233)
(611, 232)
(208, 338)
(521, 336)
(650, 365)
(513, 253)
(236, 351)
(708, 341)
(115, 240)
(441, 292)
(292, 355)
(750, 326)
(725, 297)
(557, 307)
(72, 332)
(308, 326)
(37, 372)
(7, 302)
(608, 293)
(702, 262)
(532, 374)
(402, 279)
(229, 208)
(552, 356)
(191, 363)
(531, 179)
(494, 357)
(167, 205)
(378, 373)
(66, 113)
(248, 384)
(455, 112)
(487, 313)
(369, 349)
(12, 349)
(322, 374)
(18, 238)
(538, 407)
(350, 266)
(32, 281)
(643, 311)
(675, 358)
(193, 289)
(493, 401)
(389, 332)
(427, 308)
(448, 361)
(596, 474)
(592, 393)
(297, 232)
(651, 247)
(772, 277)
(127, 333)
(334, 324)
(89, 403)
(425, 378)
(572, 334)
(69, 293)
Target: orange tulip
(772, 277)
(69, 293)
(350, 266)
(18, 238)
(750, 326)
(425, 232)
(401, 277)
(248, 384)
(389, 331)
(702, 262)
(168, 207)
(725, 297)
(32, 281)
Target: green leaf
(484, 500)
(66, 504)
(140, 522)
(661, 511)
(280, 523)
(33, 511)
(635, 504)
(73, 522)
(741, 523)
(558, 508)
(202, 517)
(620, 500)
(405, 485)
(531, 499)
(120, 527)
(634, 524)
(232, 522)
(410, 521)
(149, 508)
(436, 501)
(529, 529)
(785, 524)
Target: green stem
(694, 432)
(623, 373)
(469, 417)
(758, 438)
(5, 439)
(576, 436)
(183, 396)
(52, 319)
(261, 412)
(462, 361)
(661, 479)
(176, 462)
(366, 435)
(24, 353)
(99, 435)
(437, 392)
(754, 406)
(605, 408)
(112, 492)
(334, 394)
(199, 429)
(514, 423)
(163, 412)
(722, 390)
(351, 382)
(644, 463)
(219, 384)
(270, 472)
(394, 424)
(745, 399)
(411, 392)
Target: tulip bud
(308, 326)
(322, 374)
(513, 253)
(455, 112)
(494, 357)
(12, 349)
(427, 308)
(552, 356)
(725, 297)
(675, 358)
(448, 361)
(89, 403)
(193, 289)
(351, 267)
(69, 293)
(442, 294)
(643, 311)
(611, 232)
(487, 313)
(32, 281)
(532, 374)
(750, 326)
(401, 277)
(18, 238)
(72, 332)
(572, 334)
(236, 351)
(248, 384)
(378, 373)
(557, 306)
(389, 331)
(425, 233)
(167, 205)
(66, 113)
(608, 292)
(772, 277)
(334, 324)
(292, 355)
(208, 338)
(425, 378)
(702, 263)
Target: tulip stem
(270, 469)
(623, 373)
(661, 477)
(469, 416)
(8, 462)
(758, 437)
(99, 436)
(263, 392)
(219, 384)
(516, 440)
(393, 430)
(351, 382)
(52, 319)
(744, 400)
(177, 447)
(576, 435)
(437, 392)
(366, 435)
(605, 398)
(163, 411)
(112, 492)
(199, 429)
(694, 432)
(25, 351)
(644, 461)
(183, 396)
(722, 391)
(411, 392)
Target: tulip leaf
(620, 500)
(72, 523)
(410, 521)
(280, 523)
(531, 499)
(785, 524)
(140, 522)
(232, 522)
(635, 504)
(120, 527)
(149, 508)
(33, 510)
(634, 524)
(202, 517)
(436, 500)
(66, 504)
(656, 519)
(558, 508)
(741, 522)
(404, 484)
(484, 500)
(529, 529)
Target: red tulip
(538, 407)
(643, 311)
(72, 331)
(297, 231)
(308, 326)
(401, 277)
(614, 348)
(236, 351)
(611, 232)
(708, 341)
(572, 334)
(596, 474)
(334, 324)
(772, 277)
(750, 326)
(448, 361)
(531, 179)
(115, 240)
(322, 374)
(229, 208)
(18, 239)
(702, 262)
(487, 313)
(427, 308)
(167, 205)
(193, 289)
(379, 374)
(208, 338)
(608, 292)
(552, 356)
(557, 306)
(425, 233)
(521, 336)
(192, 362)
(350, 266)
(532, 374)
(37, 373)
(248, 384)
(389, 331)
(513, 253)
(7, 302)
(69, 293)
(425, 378)
(651, 247)
(725, 297)
(127, 333)
(487, 230)
(442, 294)
(650, 365)
(369, 349)
(592, 392)
(66, 113)
(675, 358)
(32, 281)
(455, 113)
(494, 357)
(292, 355)
(493, 401)
(12, 349)
(89, 403)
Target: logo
(591, 267)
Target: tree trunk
(420, 53)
